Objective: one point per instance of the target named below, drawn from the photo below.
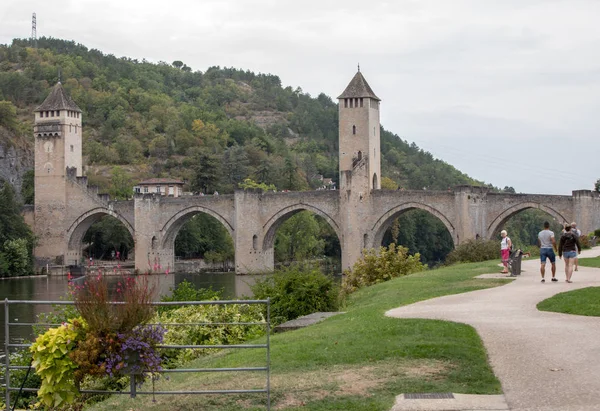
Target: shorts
(547, 253)
(570, 254)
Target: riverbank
(354, 361)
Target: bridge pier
(253, 250)
(586, 210)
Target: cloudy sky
(507, 91)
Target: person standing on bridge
(505, 246)
(547, 245)
(568, 246)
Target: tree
(597, 185)
(298, 238)
(206, 172)
(177, 64)
(121, 184)
(27, 189)
(249, 183)
(388, 184)
(16, 238)
(8, 115)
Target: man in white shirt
(547, 245)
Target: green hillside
(212, 129)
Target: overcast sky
(507, 91)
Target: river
(54, 288)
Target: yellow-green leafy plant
(53, 364)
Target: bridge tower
(359, 162)
(58, 141)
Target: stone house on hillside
(163, 186)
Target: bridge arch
(82, 224)
(501, 219)
(385, 221)
(171, 228)
(271, 226)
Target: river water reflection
(55, 288)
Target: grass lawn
(590, 262)
(585, 301)
(359, 360)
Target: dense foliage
(16, 238)
(376, 266)
(295, 292)
(217, 331)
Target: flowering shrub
(107, 340)
(94, 303)
(135, 353)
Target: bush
(53, 364)
(186, 291)
(20, 357)
(585, 242)
(295, 293)
(377, 266)
(472, 251)
(218, 334)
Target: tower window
(70, 127)
(75, 128)
(72, 148)
(361, 102)
(353, 129)
(254, 242)
(359, 155)
(52, 113)
(351, 100)
(345, 103)
(57, 113)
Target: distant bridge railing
(133, 392)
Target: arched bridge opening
(419, 227)
(99, 234)
(196, 238)
(302, 233)
(524, 221)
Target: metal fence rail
(133, 392)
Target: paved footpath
(545, 361)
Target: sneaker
(554, 279)
(543, 280)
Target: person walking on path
(547, 245)
(505, 246)
(577, 232)
(568, 246)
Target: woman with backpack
(569, 246)
(505, 247)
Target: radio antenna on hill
(34, 31)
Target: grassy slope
(585, 301)
(590, 262)
(355, 361)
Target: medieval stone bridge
(359, 212)
(252, 218)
